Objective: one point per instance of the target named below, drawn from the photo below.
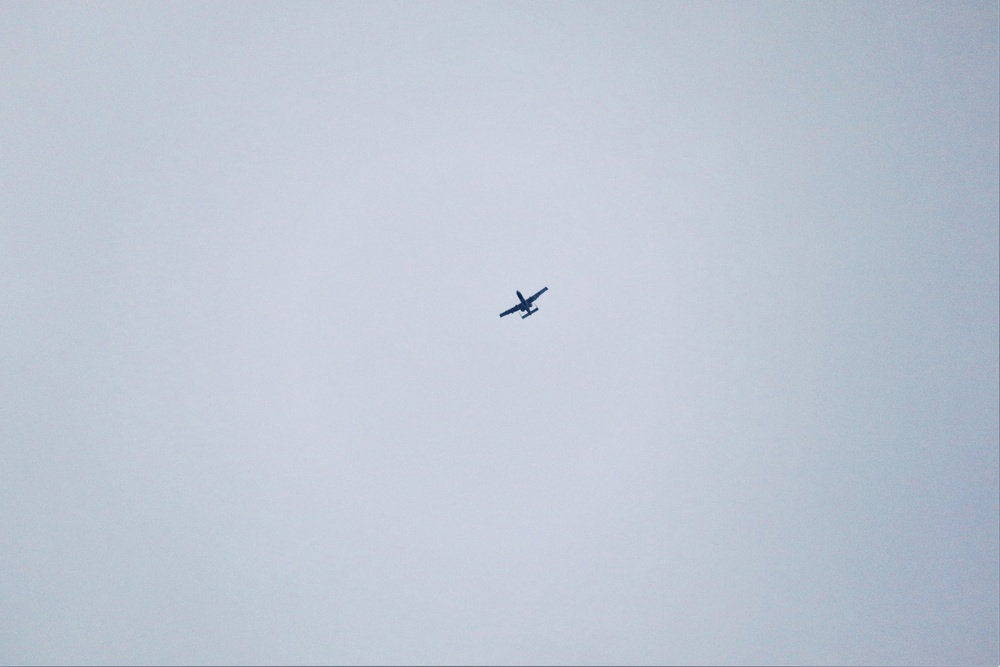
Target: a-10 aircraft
(525, 304)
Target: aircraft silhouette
(525, 304)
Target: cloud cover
(257, 405)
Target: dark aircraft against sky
(525, 304)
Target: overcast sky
(257, 405)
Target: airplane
(525, 304)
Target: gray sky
(256, 404)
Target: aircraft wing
(531, 299)
(512, 310)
